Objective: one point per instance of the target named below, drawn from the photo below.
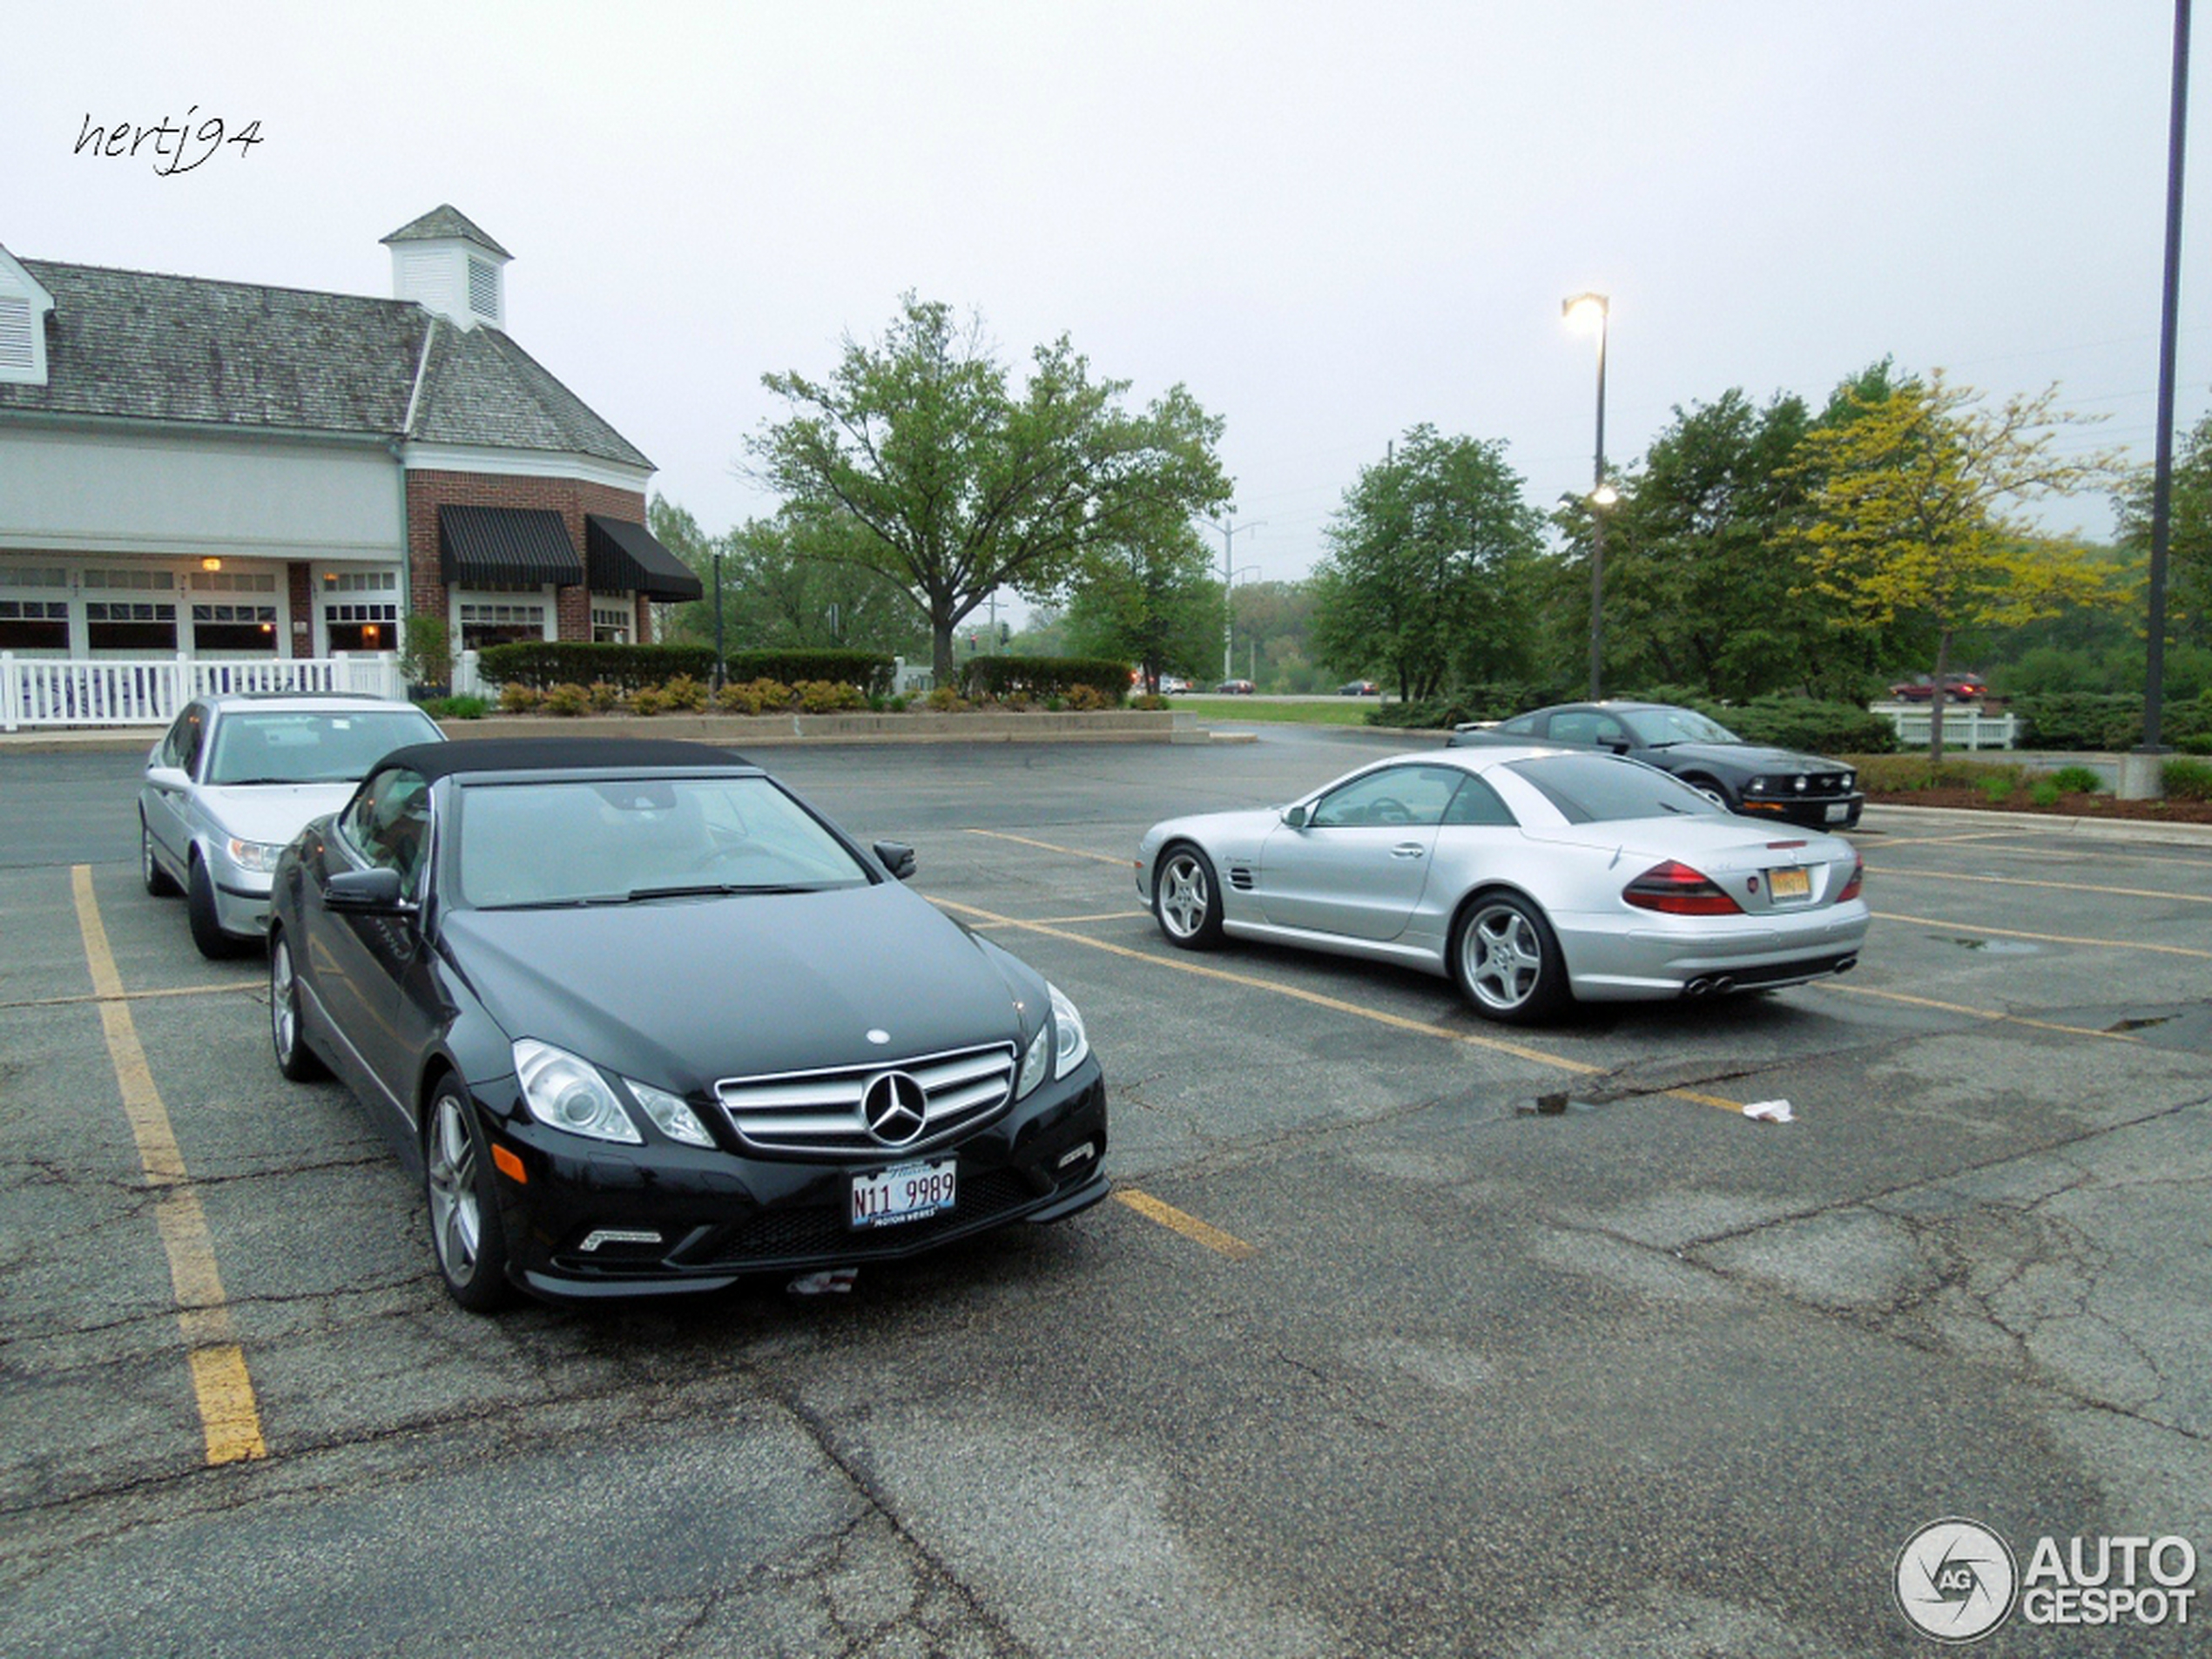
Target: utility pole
(1228, 534)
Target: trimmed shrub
(2188, 780)
(945, 700)
(456, 708)
(755, 696)
(1151, 703)
(650, 701)
(1807, 725)
(2076, 780)
(518, 698)
(868, 672)
(568, 699)
(1423, 717)
(2094, 720)
(2045, 792)
(547, 662)
(829, 696)
(2195, 746)
(605, 697)
(1038, 678)
(687, 694)
(1088, 699)
(1909, 774)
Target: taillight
(1679, 891)
(1858, 879)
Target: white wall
(104, 492)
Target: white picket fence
(52, 692)
(1965, 726)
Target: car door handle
(1407, 850)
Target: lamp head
(1586, 311)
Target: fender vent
(1240, 877)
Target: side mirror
(163, 777)
(370, 892)
(1295, 817)
(1619, 745)
(897, 858)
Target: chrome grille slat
(817, 1114)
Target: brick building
(223, 469)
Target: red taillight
(1679, 891)
(1857, 879)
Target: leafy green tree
(2189, 544)
(920, 460)
(1150, 603)
(1429, 569)
(780, 592)
(1911, 509)
(1270, 625)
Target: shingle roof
(443, 220)
(140, 346)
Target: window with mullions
(34, 624)
(239, 627)
(125, 624)
(612, 622)
(498, 622)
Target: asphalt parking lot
(1368, 1358)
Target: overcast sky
(1330, 222)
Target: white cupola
(445, 264)
(24, 305)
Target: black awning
(624, 558)
(505, 547)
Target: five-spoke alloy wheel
(1507, 961)
(464, 1213)
(294, 1059)
(1186, 898)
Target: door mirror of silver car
(897, 858)
(167, 777)
(1294, 816)
(372, 892)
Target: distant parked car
(235, 778)
(1957, 688)
(1234, 688)
(1745, 777)
(1173, 684)
(1359, 688)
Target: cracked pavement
(1638, 1379)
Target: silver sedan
(1529, 876)
(236, 777)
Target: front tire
(1711, 791)
(1186, 898)
(294, 1059)
(1507, 960)
(206, 928)
(465, 1231)
(158, 881)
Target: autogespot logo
(1956, 1580)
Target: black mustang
(1744, 777)
(648, 1023)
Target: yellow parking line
(1062, 921)
(1072, 852)
(1519, 1051)
(230, 1420)
(2056, 887)
(2047, 939)
(1188, 1226)
(1979, 1014)
(136, 996)
(1889, 841)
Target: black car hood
(679, 992)
(1748, 757)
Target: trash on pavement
(1770, 1111)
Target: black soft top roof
(560, 754)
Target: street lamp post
(719, 669)
(1592, 310)
(1228, 534)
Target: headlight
(671, 1114)
(1757, 787)
(567, 1093)
(258, 856)
(1061, 1045)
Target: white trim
(421, 373)
(523, 463)
(19, 287)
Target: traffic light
(1006, 633)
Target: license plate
(1839, 811)
(1790, 884)
(907, 1193)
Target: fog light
(1089, 1149)
(616, 1236)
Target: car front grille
(817, 1114)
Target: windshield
(631, 840)
(1656, 728)
(1604, 789)
(310, 746)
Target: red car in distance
(1957, 688)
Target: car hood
(272, 812)
(679, 992)
(1750, 757)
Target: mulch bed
(2164, 812)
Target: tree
(1912, 514)
(2189, 544)
(1151, 603)
(918, 460)
(779, 592)
(1428, 568)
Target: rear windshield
(303, 746)
(1604, 789)
(600, 841)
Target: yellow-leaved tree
(1912, 514)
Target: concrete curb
(2086, 829)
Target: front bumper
(1816, 812)
(242, 899)
(715, 1216)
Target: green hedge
(1040, 678)
(2103, 720)
(544, 663)
(870, 672)
(1436, 714)
(1808, 725)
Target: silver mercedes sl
(1530, 876)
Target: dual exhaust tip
(1721, 984)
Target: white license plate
(1790, 884)
(1839, 811)
(907, 1193)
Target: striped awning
(505, 547)
(626, 557)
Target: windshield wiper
(251, 783)
(716, 889)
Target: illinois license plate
(1790, 884)
(1838, 811)
(907, 1193)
